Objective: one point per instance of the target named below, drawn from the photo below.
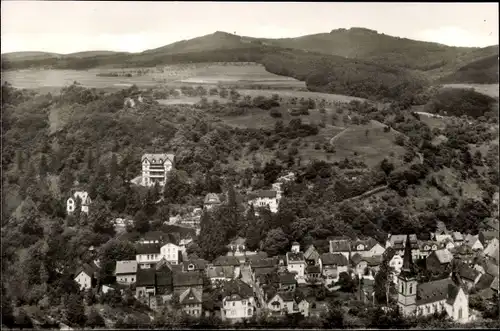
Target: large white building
(85, 201)
(265, 198)
(155, 168)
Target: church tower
(407, 283)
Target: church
(423, 299)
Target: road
(337, 136)
(246, 276)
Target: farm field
(332, 98)
(488, 89)
(199, 74)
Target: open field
(199, 74)
(300, 94)
(488, 89)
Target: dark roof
(488, 235)
(340, 245)
(237, 287)
(187, 279)
(356, 258)
(374, 261)
(264, 263)
(433, 291)
(311, 253)
(148, 248)
(264, 194)
(227, 261)
(408, 267)
(164, 276)
(89, 268)
(199, 264)
(220, 271)
(367, 243)
(295, 257)
(153, 235)
(191, 296)
(286, 296)
(287, 278)
(264, 271)
(334, 259)
(485, 282)
(146, 277)
(452, 293)
(468, 273)
(313, 269)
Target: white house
(283, 303)
(264, 198)
(473, 242)
(85, 201)
(86, 276)
(367, 247)
(126, 272)
(239, 303)
(332, 265)
(147, 255)
(492, 250)
(296, 263)
(211, 200)
(237, 247)
(155, 168)
(170, 252)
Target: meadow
(243, 74)
(488, 89)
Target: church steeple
(407, 258)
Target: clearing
(488, 89)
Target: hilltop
(484, 70)
(357, 62)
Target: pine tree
(43, 168)
(113, 168)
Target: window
(428, 309)
(402, 287)
(460, 313)
(411, 288)
(233, 303)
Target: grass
(287, 94)
(190, 100)
(199, 74)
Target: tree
(95, 320)
(23, 321)
(276, 242)
(75, 311)
(113, 167)
(386, 166)
(141, 222)
(43, 167)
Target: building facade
(155, 168)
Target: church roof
(434, 291)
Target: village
(163, 273)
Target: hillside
(357, 62)
(482, 71)
(28, 56)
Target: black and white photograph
(249, 165)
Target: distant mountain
(358, 62)
(28, 56)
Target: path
(337, 136)
(246, 276)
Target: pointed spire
(407, 257)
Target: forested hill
(357, 62)
(482, 71)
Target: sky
(71, 26)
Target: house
(487, 286)
(229, 261)
(220, 273)
(311, 255)
(424, 299)
(287, 282)
(211, 200)
(487, 236)
(152, 237)
(295, 247)
(397, 241)
(464, 253)
(457, 237)
(145, 287)
(361, 263)
(469, 276)
(366, 247)
(395, 261)
(492, 223)
(238, 301)
(296, 263)
(194, 265)
(332, 265)
(283, 303)
(237, 247)
(191, 301)
(473, 242)
(147, 255)
(426, 247)
(186, 280)
(441, 236)
(439, 261)
(492, 250)
(312, 307)
(170, 252)
(341, 245)
(86, 276)
(264, 198)
(163, 278)
(126, 272)
(155, 168)
(84, 199)
(313, 273)
(263, 266)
